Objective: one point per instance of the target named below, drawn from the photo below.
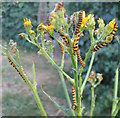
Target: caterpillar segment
(74, 98)
(114, 30)
(80, 59)
(11, 63)
(100, 45)
(79, 22)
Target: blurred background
(17, 97)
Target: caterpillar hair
(13, 65)
(100, 45)
(74, 98)
(61, 47)
(114, 30)
(80, 59)
(75, 42)
(79, 22)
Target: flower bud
(27, 24)
(91, 22)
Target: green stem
(79, 110)
(56, 66)
(66, 92)
(115, 92)
(88, 72)
(92, 101)
(53, 63)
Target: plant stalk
(115, 101)
(92, 101)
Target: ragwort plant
(66, 31)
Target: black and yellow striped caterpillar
(79, 22)
(11, 63)
(64, 38)
(75, 42)
(61, 47)
(73, 22)
(76, 49)
(80, 59)
(74, 98)
(114, 30)
(47, 20)
(101, 45)
(59, 6)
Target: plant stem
(115, 92)
(92, 101)
(56, 66)
(88, 72)
(66, 92)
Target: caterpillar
(92, 76)
(64, 38)
(114, 30)
(47, 19)
(79, 22)
(74, 98)
(75, 42)
(59, 6)
(73, 22)
(11, 63)
(100, 45)
(80, 59)
(61, 47)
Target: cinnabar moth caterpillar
(73, 22)
(79, 22)
(114, 30)
(64, 38)
(75, 42)
(100, 45)
(74, 98)
(80, 59)
(47, 19)
(61, 47)
(10, 61)
(59, 6)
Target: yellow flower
(84, 20)
(49, 27)
(22, 35)
(100, 20)
(27, 23)
(32, 33)
(112, 23)
(41, 26)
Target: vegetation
(59, 27)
